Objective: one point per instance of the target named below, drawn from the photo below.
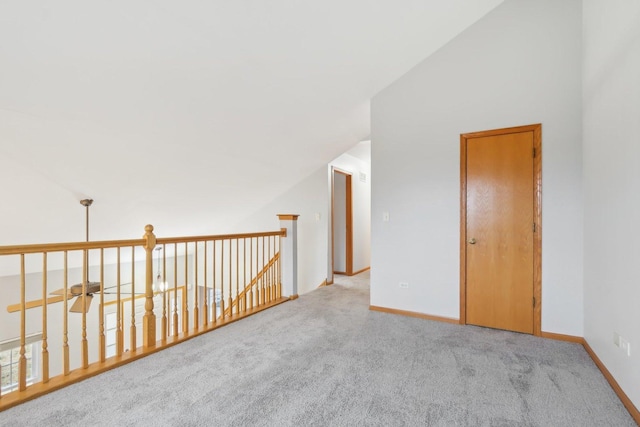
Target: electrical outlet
(317, 216)
(385, 216)
(404, 285)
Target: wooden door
(501, 225)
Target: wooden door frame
(349, 220)
(537, 217)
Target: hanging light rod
(86, 203)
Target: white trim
(15, 342)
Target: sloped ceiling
(189, 114)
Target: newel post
(289, 255)
(149, 319)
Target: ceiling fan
(74, 291)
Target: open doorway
(349, 218)
(342, 220)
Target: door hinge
(534, 302)
(534, 227)
(534, 152)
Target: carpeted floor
(326, 360)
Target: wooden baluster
(149, 318)
(184, 294)
(244, 273)
(185, 302)
(237, 276)
(270, 269)
(133, 342)
(251, 272)
(65, 318)
(254, 276)
(45, 344)
(119, 322)
(215, 287)
(271, 281)
(273, 270)
(264, 287)
(165, 331)
(205, 307)
(230, 279)
(222, 305)
(258, 293)
(258, 276)
(22, 362)
(276, 282)
(196, 310)
(280, 267)
(103, 340)
(267, 270)
(264, 272)
(85, 343)
(175, 289)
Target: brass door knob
(472, 241)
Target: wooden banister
(242, 269)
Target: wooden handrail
(191, 239)
(72, 246)
(100, 244)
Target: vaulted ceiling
(190, 114)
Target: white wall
(49, 206)
(307, 198)
(519, 65)
(612, 178)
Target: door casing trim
(537, 218)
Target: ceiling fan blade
(35, 303)
(77, 305)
